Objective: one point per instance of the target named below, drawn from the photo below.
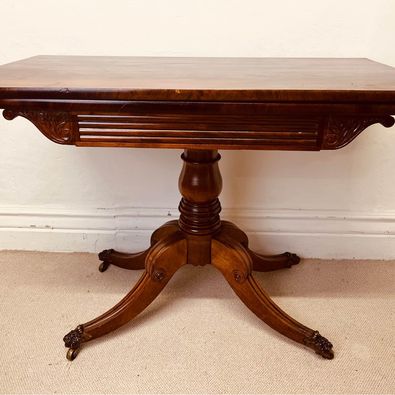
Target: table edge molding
(282, 131)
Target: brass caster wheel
(104, 266)
(72, 353)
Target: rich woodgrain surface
(213, 79)
(199, 103)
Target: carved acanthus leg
(135, 261)
(162, 261)
(235, 263)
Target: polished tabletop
(199, 79)
(199, 103)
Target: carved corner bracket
(341, 130)
(60, 127)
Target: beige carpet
(196, 337)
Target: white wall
(325, 204)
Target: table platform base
(199, 237)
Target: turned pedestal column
(199, 237)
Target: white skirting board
(326, 234)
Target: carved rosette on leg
(158, 274)
(320, 344)
(235, 263)
(163, 260)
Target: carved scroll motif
(60, 127)
(342, 130)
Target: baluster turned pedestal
(199, 237)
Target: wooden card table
(200, 105)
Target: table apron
(200, 125)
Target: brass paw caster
(104, 266)
(72, 353)
(320, 344)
